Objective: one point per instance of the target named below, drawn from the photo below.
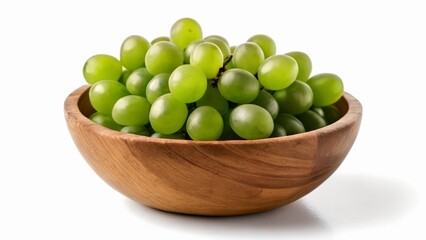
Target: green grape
(318, 110)
(160, 39)
(311, 120)
(184, 31)
(295, 99)
(268, 102)
(223, 45)
(304, 63)
(105, 120)
(101, 67)
(187, 83)
(266, 43)
(131, 110)
(331, 113)
(168, 115)
(250, 121)
(233, 49)
(279, 131)
(327, 88)
(105, 93)
(163, 57)
(189, 49)
(239, 86)
(124, 75)
(208, 57)
(277, 72)
(158, 86)
(248, 56)
(139, 130)
(213, 98)
(137, 81)
(133, 51)
(227, 132)
(291, 124)
(169, 136)
(204, 123)
(218, 36)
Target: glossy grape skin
(204, 124)
(294, 99)
(277, 72)
(266, 43)
(279, 131)
(105, 120)
(187, 83)
(101, 67)
(250, 121)
(238, 86)
(139, 130)
(184, 31)
(223, 46)
(208, 57)
(163, 57)
(104, 94)
(248, 56)
(137, 81)
(157, 86)
(160, 39)
(304, 64)
(291, 124)
(268, 102)
(327, 88)
(168, 115)
(218, 36)
(133, 51)
(124, 75)
(213, 98)
(131, 110)
(188, 51)
(311, 120)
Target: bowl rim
(73, 111)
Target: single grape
(163, 57)
(223, 45)
(187, 83)
(105, 93)
(213, 98)
(239, 86)
(331, 114)
(124, 75)
(131, 110)
(218, 36)
(208, 57)
(311, 120)
(327, 89)
(291, 124)
(250, 121)
(137, 81)
(204, 123)
(268, 102)
(266, 43)
(105, 120)
(133, 51)
(248, 56)
(295, 99)
(184, 31)
(168, 114)
(188, 51)
(101, 67)
(277, 72)
(304, 63)
(139, 130)
(157, 86)
(160, 39)
(279, 131)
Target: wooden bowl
(212, 177)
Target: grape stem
(221, 70)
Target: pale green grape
(189, 49)
(304, 64)
(327, 88)
(238, 86)
(277, 72)
(101, 67)
(204, 123)
(213, 98)
(223, 45)
(132, 52)
(105, 120)
(208, 57)
(291, 124)
(168, 115)
(250, 121)
(218, 36)
(184, 31)
(160, 39)
(248, 56)
(295, 99)
(131, 110)
(124, 75)
(105, 93)
(139, 130)
(187, 83)
(268, 102)
(163, 57)
(137, 81)
(157, 86)
(265, 42)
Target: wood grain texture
(216, 177)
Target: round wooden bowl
(212, 177)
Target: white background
(48, 191)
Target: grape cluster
(186, 86)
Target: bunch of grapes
(186, 86)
